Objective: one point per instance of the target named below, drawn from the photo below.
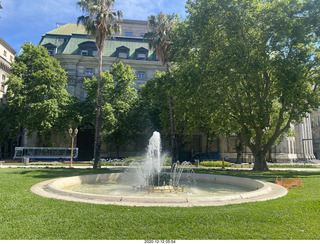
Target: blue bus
(45, 153)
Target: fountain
(150, 175)
(147, 183)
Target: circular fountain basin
(253, 190)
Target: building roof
(68, 30)
(68, 37)
(7, 46)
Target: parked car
(213, 156)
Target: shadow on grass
(50, 173)
(269, 176)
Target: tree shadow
(269, 176)
(51, 173)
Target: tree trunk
(98, 135)
(260, 163)
(173, 131)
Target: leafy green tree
(100, 22)
(36, 98)
(119, 99)
(161, 27)
(261, 57)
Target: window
(51, 48)
(141, 53)
(84, 52)
(142, 56)
(3, 77)
(123, 55)
(89, 71)
(142, 35)
(128, 34)
(122, 52)
(51, 51)
(87, 48)
(11, 58)
(141, 75)
(5, 53)
(94, 53)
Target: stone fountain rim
(261, 191)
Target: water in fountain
(148, 174)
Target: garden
(25, 215)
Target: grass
(24, 215)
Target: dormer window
(142, 56)
(123, 55)
(122, 52)
(142, 53)
(84, 52)
(87, 48)
(52, 49)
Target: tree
(119, 98)
(36, 98)
(261, 56)
(161, 26)
(100, 23)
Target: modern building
(77, 54)
(7, 54)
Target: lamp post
(73, 134)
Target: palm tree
(100, 22)
(161, 26)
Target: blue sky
(27, 20)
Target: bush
(215, 164)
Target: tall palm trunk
(98, 136)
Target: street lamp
(73, 134)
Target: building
(7, 54)
(77, 54)
(315, 124)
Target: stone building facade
(7, 54)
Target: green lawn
(24, 215)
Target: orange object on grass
(289, 183)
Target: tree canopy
(260, 57)
(119, 97)
(36, 97)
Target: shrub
(215, 164)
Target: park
(245, 74)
